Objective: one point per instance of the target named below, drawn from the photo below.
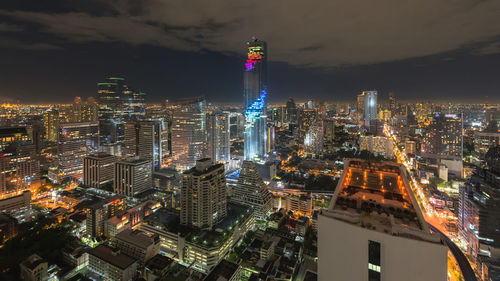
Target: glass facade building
(255, 93)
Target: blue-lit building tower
(255, 93)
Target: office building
(255, 95)
(479, 217)
(147, 140)
(111, 264)
(203, 194)
(98, 170)
(218, 137)
(370, 110)
(291, 111)
(188, 132)
(75, 141)
(360, 106)
(137, 244)
(133, 176)
(374, 229)
(34, 268)
(250, 190)
(483, 141)
(117, 105)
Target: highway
(462, 261)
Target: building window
(373, 261)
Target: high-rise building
(148, 140)
(218, 137)
(77, 110)
(255, 94)
(360, 107)
(188, 132)
(479, 217)
(291, 111)
(90, 111)
(203, 194)
(443, 137)
(314, 139)
(306, 117)
(117, 105)
(98, 170)
(251, 190)
(392, 103)
(370, 107)
(75, 141)
(51, 120)
(133, 176)
(377, 144)
(374, 229)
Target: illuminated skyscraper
(255, 92)
(117, 104)
(370, 108)
(147, 140)
(188, 132)
(218, 137)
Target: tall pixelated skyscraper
(255, 92)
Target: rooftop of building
(100, 155)
(33, 262)
(223, 271)
(377, 196)
(168, 220)
(159, 262)
(203, 166)
(112, 256)
(133, 161)
(137, 238)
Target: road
(463, 262)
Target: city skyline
(36, 48)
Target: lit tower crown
(255, 92)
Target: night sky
(449, 50)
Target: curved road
(463, 262)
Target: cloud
(304, 33)
(6, 27)
(12, 43)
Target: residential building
(34, 268)
(137, 244)
(111, 264)
(203, 194)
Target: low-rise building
(34, 268)
(137, 244)
(111, 264)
